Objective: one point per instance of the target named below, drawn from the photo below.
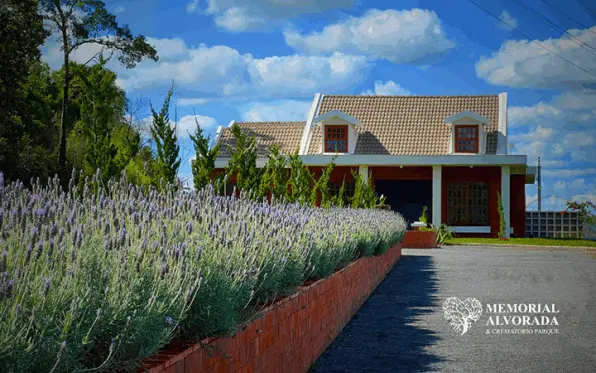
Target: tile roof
(286, 134)
(408, 125)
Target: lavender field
(98, 278)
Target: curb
(534, 247)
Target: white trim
(467, 114)
(436, 201)
(502, 129)
(336, 114)
(307, 132)
(405, 160)
(217, 136)
(470, 229)
(505, 197)
(363, 171)
(231, 123)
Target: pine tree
(204, 163)
(275, 176)
(243, 162)
(164, 135)
(300, 183)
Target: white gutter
(401, 160)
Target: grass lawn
(524, 241)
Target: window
(466, 139)
(336, 139)
(468, 204)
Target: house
(449, 153)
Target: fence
(554, 224)
(590, 232)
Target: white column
(363, 170)
(505, 196)
(437, 182)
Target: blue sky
(265, 59)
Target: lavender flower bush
(100, 280)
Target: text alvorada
(522, 309)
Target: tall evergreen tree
(204, 162)
(164, 136)
(243, 162)
(24, 142)
(80, 22)
(101, 111)
(274, 181)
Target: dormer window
(336, 139)
(466, 139)
(338, 131)
(468, 133)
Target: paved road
(402, 328)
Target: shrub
(101, 280)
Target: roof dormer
(338, 131)
(468, 133)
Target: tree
(275, 176)
(322, 184)
(23, 129)
(101, 104)
(80, 22)
(21, 36)
(585, 210)
(164, 136)
(364, 193)
(204, 162)
(243, 162)
(300, 182)
(502, 225)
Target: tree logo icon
(461, 314)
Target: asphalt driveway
(402, 327)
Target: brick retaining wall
(292, 333)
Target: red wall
(490, 175)
(338, 173)
(405, 173)
(292, 333)
(517, 207)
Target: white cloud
(561, 185)
(408, 36)
(524, 64)
(508, 19)
(569, 172)
(192, 6)
(222, 71)
(525, 115)
(584, 198)
(578, 184)
(119, 9)
(538, 134)
(276, 111)
(216, 71)
(388, 88)
(168, 50)
(258, 15)
(187, 124)
(192, 101)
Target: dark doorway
(407, 197)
